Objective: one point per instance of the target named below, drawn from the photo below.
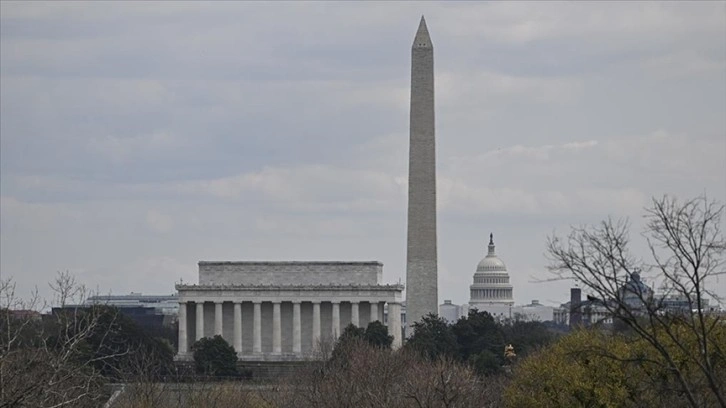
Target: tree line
(652, 357)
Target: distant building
(162, 304)
(578, 312)
(491, 290)
(533, 312)
(24, 314)
(280, 311)
(590, 313)
(635, 293)
(150, 311)
(680, 303)
(451, 312)
(560, 315)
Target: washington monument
(421, 262)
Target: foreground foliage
(67, 358)
(592, 368)
(362, 375)
(687, 251)
(378, 377)
(214, 356)
(477, 340)
(47, 363)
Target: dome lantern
(491, 262)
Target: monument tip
(422, 39)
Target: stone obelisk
(421, 262)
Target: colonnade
(495, 293)
(394, 323)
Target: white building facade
(534, 312)
(280, 311)
(452, 312)
(491, 290)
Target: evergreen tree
(376, 334)
(352, 331)
(433, 338)
(476, 333)
(214, 356)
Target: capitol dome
(491, 286)
(491, 262)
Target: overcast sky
(140, 138)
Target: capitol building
(492, 292)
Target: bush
(485, 363)
(433, 338)
(477, 333)
(376, 334)
(214, 356)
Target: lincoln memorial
(281, 311)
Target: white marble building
(533, 312)
(491, 290)
(452, 312)
(279, 311)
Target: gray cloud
(139, 138)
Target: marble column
(354, 314)
(296, 328)
(276, 329)
(335, 326)
(183, 346)
(394, 324)
(200, 321)
(316, 324)
(374, 312)
(257, 329)
(218, 318)
(238, 327)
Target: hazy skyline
(137, 139)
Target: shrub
(214, 356)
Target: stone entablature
(290, 293)
(281, 273)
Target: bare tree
(448, 383)
(362, 375)
(687, 249)
(48, 362)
